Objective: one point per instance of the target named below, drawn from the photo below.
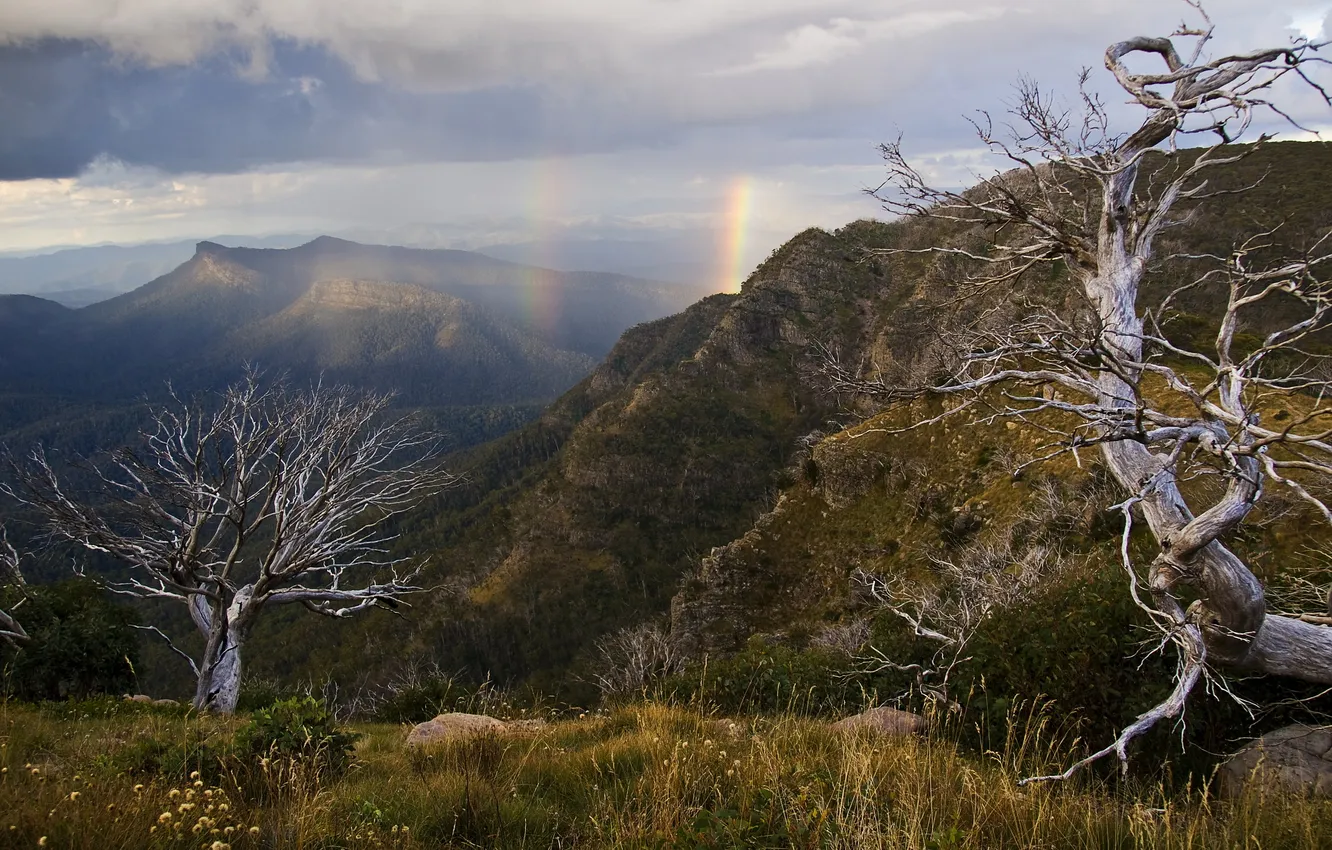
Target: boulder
(883, 720)
(1296, 759)
(454, 725)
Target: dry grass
(643, 776)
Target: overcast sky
(510, 120)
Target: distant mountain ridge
(77, 277)
(441, 328)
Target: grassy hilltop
(643, 776)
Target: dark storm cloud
(64, 103)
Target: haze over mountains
(442, 328)
(77, 277)
(705, 472)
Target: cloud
(355, 90)
(228, 85)
(813, 44)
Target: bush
(770, 678)
(81, 644)
(258, 692)
(147, 756)
(297, 729)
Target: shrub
(258, 692)
(147, 756)
(297, 729)
(775, 678)
(81, 644)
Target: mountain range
(451, 331)
(699, 473)
(77, 277)
(704, 475)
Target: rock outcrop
(883, 720)
(456, 725)
(1296, 759)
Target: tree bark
(1231, 608)
(223, 683)
(225, 632)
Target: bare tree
(270, 496)
(1001, 570)
(11, 631)
(1092, 201)
(633, 658)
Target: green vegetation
(80, 643)
(642, 776)
(710, 430)
(701, 470)
(299, 728)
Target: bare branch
(1091, 368)
(266, 495)
(11, 631)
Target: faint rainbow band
(739, 208)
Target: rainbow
(544, 290)
(735, 229)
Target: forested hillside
(715, 428)
(478, 344)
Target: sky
(462, 123)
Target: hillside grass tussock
(645, 775)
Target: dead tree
(269, 496)
(631, 659)
(1088, 199)
(11, 631)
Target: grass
(642, 776)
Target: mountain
(77, 277)
(704, 471)
(482, 342)
(225, 305)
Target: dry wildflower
(165, 817)
(138, 789)
(73, 795)
(254, 830)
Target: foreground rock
(885, 721)
(455, 725)
(147, 700)
(1296, 759)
